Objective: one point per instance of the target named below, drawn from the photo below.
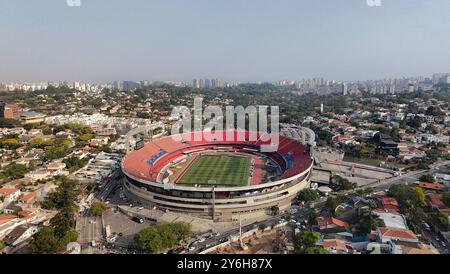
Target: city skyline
(242, 41)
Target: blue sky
(243, 40)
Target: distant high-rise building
(207, 83)
(195, 83)
(344, 88)
(130, 85)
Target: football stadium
(221, 180)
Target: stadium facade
(149, 176)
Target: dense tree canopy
(157, 238)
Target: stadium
(220, 180)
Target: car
(192, 248)
(201, 240)
(217, 234)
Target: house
(19, 235)
(331, 225)
(421, 250)
(337, 247)
(28, 198)
(6, 218)
(56, 166)
(7, 223)
(386, 235)
(39, 174)
(11, 209)
(435, 202)
(386, 145)
(388, 203)
(431, 186)
(392, 220)
(9, 195)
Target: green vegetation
(427, 178)
(66, 196)
(9, 143)
(75, 163)
(55, 238)
(309, 195)
(225, 170)
(318, 250)
(341, 184)
(365, 223)
(439, 220)
(98, 208)
(446, 198)
(306, 243)
(154, 239)
(12, 172)
(332, 203)
(411, 201)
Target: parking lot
(123, 227)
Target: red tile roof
(28, 197)
(6, 218)
(431, 186)
(398, 233)
(335, 243)
(324, 222)
(7, 191)
(388, 201)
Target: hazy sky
(242, 40)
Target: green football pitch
(222, 169)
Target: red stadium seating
(137, 165)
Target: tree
(411, 201)
(440, 220)
(98, 208)
(312, 216)
(156, 238)
(341, 184)
(14, 171)
(446, 198)
(309, 195)
(2, 245)
(306, 239)
(65, 197)
(318, 250)
(365, 223)
(62, 223)
(332, 204)
(71, 236)
(44, 242)
(427, 178)
(434, 111)
(275, 210)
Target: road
(213, 241)
(91, 229)
(408, 178)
